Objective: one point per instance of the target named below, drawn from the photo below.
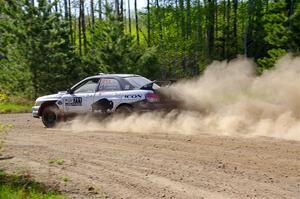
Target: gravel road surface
(95, 164)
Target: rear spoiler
(166, 83)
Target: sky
(140, 4)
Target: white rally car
(103, 93)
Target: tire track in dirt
(137, 165)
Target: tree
(278, 35)
(129, 17)
(210, 30)
(93, 21)
(136, 23)
(148, 22)
(118, 52)
(83, 26)
(70, 23)
(100, 9)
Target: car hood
(51, 97)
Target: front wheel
(50, 116)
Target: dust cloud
(228, 99)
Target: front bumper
(35, 111)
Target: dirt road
(136, 165)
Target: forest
(48, 45)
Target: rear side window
(109, 84)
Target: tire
(50, 116)
(124, 109)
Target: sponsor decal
(102, 105)
(75, 101)
(137, 96)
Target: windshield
(138, 81)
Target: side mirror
(70, 91)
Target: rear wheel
(50, 116)
(124, 109)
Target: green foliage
(43, 61)
(275, 24)
(58, 161)
(277, 36)
(3, 130)
(15, 108)
(268, 62)
(39, 53)
(3, 98)
(117, 52)
(23, 187)
(14, 104)
(295, 29)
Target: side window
(88, 87)
(109, 85)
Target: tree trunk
(216, 21)
(159, 20)
(235, 40)
(121, 11)
(136, 23)
(129, 17)
(93, 22)
(79, 27)
(188, 18)
(178, 39)
(56, 8)
(66, 9)
(117, 8)
(224, 31)
(210, 31)
(148, 22)
(199, 38)
(181, 6)
(83, 27)
(228, 38)
(66, 18)
(70, 22)
(248, 26)
(100, 9)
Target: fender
(44, 105)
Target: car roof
(115, 75)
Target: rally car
(103, 93)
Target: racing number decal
(75, 101)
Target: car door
(108, 95)
(80, 99)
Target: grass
(65, 178)
(23, 187)
(3, 130)
(15, 108)
(58, 161)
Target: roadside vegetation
(14, 104)
(3, 130)
(23, 187)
